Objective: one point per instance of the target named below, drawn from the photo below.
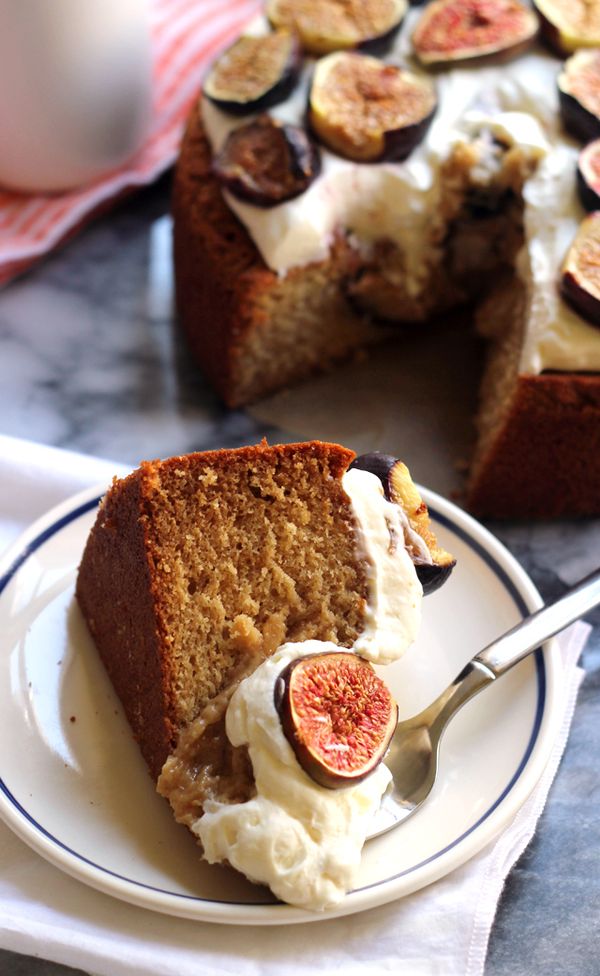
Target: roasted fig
(566, 25)
(465, 30)
(266, 162)
(324, 26)
(579, 95)
(366, 110)
(432, 563)
(337, 715)
(254, 73)
(588, 176)
(580, 282)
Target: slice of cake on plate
(203, 579)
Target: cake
(479, 215)
(203, 572)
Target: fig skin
(588, 176)
(559, 28)
(247, 163)
(324, 26)
(580, 292)
(351, 708)
(252, 55)
(446, 18)
(578, 83)
(399, 488)
(368, 111)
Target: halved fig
(580, 282)
(324, 26)
(579, 95)
(266, 162)
(254, 73)
(567, 25)
(366, 110)
(465, 30)
(588, 176)
(337, 715)
(399, 488)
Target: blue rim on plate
(35, 541)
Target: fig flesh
(324, 26)
(266, 162)
(254, 73)
(366, 110)
(579, 95)
(398, 487)
(580, 283)
(337, 715)
(566, 25)
(588, 176)
(465, 30)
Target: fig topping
(335, 25)
(399, 488)
(266, 162)
(588, 176)
(461, 30)
(569, 24)
(337, 715)
(254, 73)
(366, 110)
(579, 95)
(580, 284)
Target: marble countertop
(92, 361)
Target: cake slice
(199, 568)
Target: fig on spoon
(337, 715)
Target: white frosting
(400, 201)
(393, 612)
(302, 840)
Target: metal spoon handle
(512, 647)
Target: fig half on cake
(254, 73)
(588, 176)
(324, 26)
(579, 95)
(366, 110)
(580, 281)
(567, 25)
(266, 162)
(432, 563)
(467, 30)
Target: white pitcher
(75, 89)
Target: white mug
(75, 89)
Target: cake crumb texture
(200, 566)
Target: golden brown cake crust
(199, 566)
(545, 460)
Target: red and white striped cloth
(186, 35)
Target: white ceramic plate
(73, 785)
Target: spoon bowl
(414, 750)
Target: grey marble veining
(91, 360)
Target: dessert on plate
(238, 600)
(351, 174)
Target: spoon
(414, 749)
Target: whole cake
(459, 190)
(204, 578)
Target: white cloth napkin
(442, 929)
